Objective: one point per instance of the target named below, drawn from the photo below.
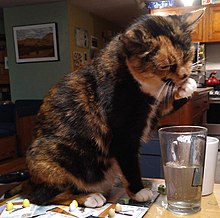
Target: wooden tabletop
(210, 207)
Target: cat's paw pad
(187, 89)
(95, 200)
(143, 195)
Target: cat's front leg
(143, 195)
(181, 96)
(129, 165)
(186, 90)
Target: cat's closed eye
(165, 67)
(171, 67)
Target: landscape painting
(35, 43)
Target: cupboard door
(165, 12)
(199, 106)
(151, 166)
(150, 159)
(4, 74)
(4, 78)
(198, 33)
(213, 21)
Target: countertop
(210, 206)
(200, 91)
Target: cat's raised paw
(187, 89)
(143, 195)
(95, 200)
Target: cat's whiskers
(164, 90)
(144, 54)
(161, 90)
(169, 92)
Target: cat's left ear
(193, 18)
(132, 41)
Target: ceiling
(10, 3)
(120, 12)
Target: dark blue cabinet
(150, 159)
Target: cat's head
(159, 49)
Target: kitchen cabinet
(197, 34)
(213, 23)
(4, 74)
(192, 113)
(150, 159)
(208, 29)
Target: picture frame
(36, 43)
(81, 38)
(94, 42)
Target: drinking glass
(183, 155)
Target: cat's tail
(39, 194)
(20, 189)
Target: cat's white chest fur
(152, 89)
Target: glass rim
(195, 129)
(212, 139)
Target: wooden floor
(12, 165)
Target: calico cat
(91, 123)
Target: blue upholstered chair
(26, 111)
(8, 142)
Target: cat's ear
(132, 40)
(193, 18)
(131, 36)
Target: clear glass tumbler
(183, 155)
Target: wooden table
(210, 206)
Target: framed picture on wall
(35, 43)
(81, 38)
(94, 42)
